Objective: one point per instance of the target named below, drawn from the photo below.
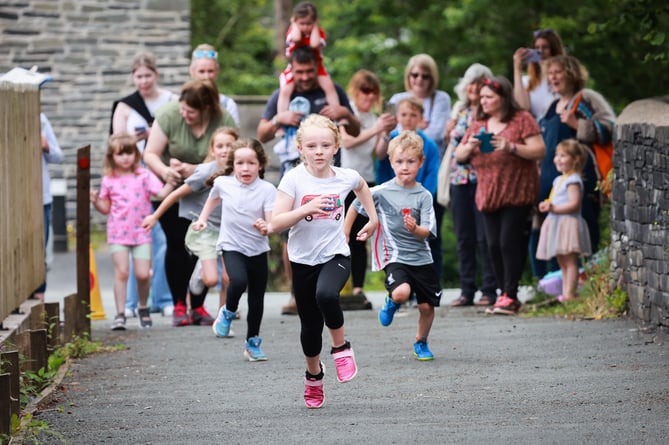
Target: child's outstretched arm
(209, 207)
(101, 205)
(168, 202)
(363, 193)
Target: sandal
(144, 315)
(119, 323)
(486, 300)
(462, 301)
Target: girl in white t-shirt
(310, 202)
(246, 205)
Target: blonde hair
(117, 144)
(406, 142)
(426, 63)
(577, 151)
(320, 121)
(234, 132)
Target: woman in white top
(364, 91)
(532, 91)
(134, 114)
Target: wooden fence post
(83, 321)
(52, 324)
(10, 364)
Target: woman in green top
(178, 142)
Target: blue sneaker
(252, 351)
(421, 351)
(221, 326)
(387, 312)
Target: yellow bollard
(97, 310)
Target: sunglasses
(205, 54)
(368, 90)
(423, 76)
(539, 32)
(494, 85)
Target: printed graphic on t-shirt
(335, 211)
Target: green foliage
(623, 43)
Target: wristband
(514, 148)
(275, 123)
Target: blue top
(428, 173)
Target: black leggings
(317, 296)
(507, 232)
(358, 248)
(247, 272)
(179, 264)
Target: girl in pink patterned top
(125, 195)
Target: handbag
(444, 178)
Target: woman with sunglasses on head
(504, 144)
(204, 65)
(421, 80)
(532, 91)
(364, 92)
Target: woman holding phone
(532, 91)
(134, 114)
(507, 182)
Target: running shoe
(252, 351)
(421, 351)
(180, 315)
(387, 312)
(221, 326)
(200, 317)
(504, 305)
(313, 390)
(345, 365)
(119, 323)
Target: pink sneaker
(345, 364)
(313, 393)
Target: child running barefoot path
(310, 202)
(246, 202)
(400, 246)
(564, 233)
(125, 195)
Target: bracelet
(385, 137)
(275, 123)
(514, 147)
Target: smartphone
(485, 138)
(140, 129)
(533, 55)
(389, 108)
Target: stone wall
(640, 208)
(88, 46)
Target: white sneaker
(130, 313)
(167, 311)
(196, 285)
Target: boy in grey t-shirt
(400, 243)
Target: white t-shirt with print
(316, 239)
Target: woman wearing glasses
(532, 91)
(204, 65)
(421, 80)
(508, 181)
(364, 92)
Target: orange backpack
(603, 153)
